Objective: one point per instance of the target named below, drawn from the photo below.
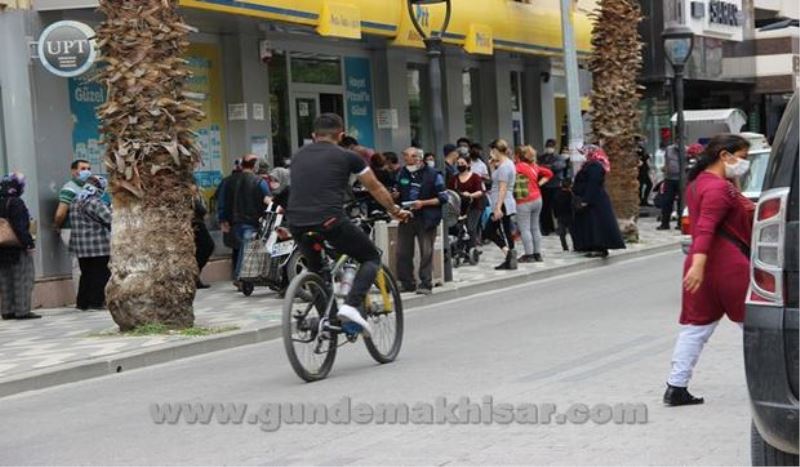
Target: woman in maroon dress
(717, 268)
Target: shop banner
(204, 87)
(84, 96)
(360, 119)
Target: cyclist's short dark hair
(328, 124)
(77, 162)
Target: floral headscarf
(595, 153)
(694, 150)
(95, 186)
(12, 185)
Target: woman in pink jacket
(717, 268)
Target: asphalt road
(603, 336)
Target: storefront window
(469, 115)
(516, 108)
(279, 108)
(316, 69)
(3, 160)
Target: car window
(785, 149)
(754, 180)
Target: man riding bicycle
(320, 180)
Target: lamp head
(678, 43)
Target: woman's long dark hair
(721, 142)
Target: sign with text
(340, 20)
(85, 96)
(358, 83)
(479, 40)
(723, 19)
(67, 48)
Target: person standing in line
(450, 158)
(16, 261)
(464, 142)
(470, 187)
(564, 209)
(559, 166)
(203, 242)
(477, 165)
(528, 196)
(242, 204)
(596, 229)
(422, 191)
(90, 242)
(228, 239)
(501, 228)
(672, 183)
(717, 268)
(645, 182)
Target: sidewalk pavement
(67, 345)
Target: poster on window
(84, 97)
(360, 117)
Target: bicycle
(309, 324)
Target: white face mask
(550, 150)
(431, 164)
(737, 169)
(412, 168)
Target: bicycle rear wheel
(311, 350)
(383, 310)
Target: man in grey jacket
(672, 185)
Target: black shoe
(662, 227)
(676, 396)
(28, 316)
(502, 266)
(202, 285)
(424, 290)
(525, 259)
(408, 288)
(511, 259)
(538, 258)
(7, 317)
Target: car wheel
(761, 453)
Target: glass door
(306, 109)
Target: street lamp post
(433, 46)
(678, 43)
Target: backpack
(521, 187)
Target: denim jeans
(528, 218)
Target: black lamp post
(433, 46)
(678, 43)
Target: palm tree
(150, 156)
(615, 64)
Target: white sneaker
(348, 313)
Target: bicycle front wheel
(384, 311)
(310, 349)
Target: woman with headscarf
(90, 242)
(16, 260)
(279, 185)
(595, 229)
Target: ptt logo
(423, 16)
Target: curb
(80, 371)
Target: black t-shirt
(320, 179)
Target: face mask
(83, 175)
(737, 169)
(412, 168)
(462, 168)
(431, 164)
(550, 150)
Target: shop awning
(479, 26)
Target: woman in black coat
(595, 229)
(16, 261)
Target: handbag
(7, 236)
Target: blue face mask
(83, 175)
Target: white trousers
(690, 343)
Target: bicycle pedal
(351, 329)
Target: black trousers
(346, 239)
(672, 190)
(546, 217)
(204, 246)
(645, 187)
(94, 277)
(501, 232)
(564, 228)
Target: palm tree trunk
(150, 156)
(615, 64)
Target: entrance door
(306, 109)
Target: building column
(390, 92)
(538, 103)
(246, 82)
(453, 95)
(495, 99)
